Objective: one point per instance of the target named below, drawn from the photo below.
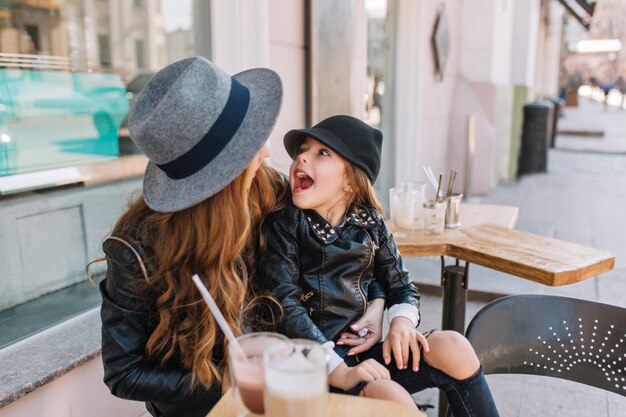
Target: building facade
(444, 80)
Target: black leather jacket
(128, 319)
(324, 276)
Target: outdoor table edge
(530, 272)
(468, 249)
(225, 407)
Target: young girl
(329, 253)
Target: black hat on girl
(350, 137)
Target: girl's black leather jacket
(324, 276)
(128, 319)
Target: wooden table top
(541, 259)
(486, 238)
(416, 243)
(338, 406)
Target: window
(33, 36)
(376, 14)
(139, 53)
(64, 68)
(104, 50)
(70, 71)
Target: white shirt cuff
(335, 359)
(405, 310)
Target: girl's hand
(403, 337)
(345, 378)
(372, 320)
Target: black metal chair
(561, 337)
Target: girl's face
(255, 164)
(317, 179)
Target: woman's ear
(348, 188)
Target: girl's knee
(453, 354)
(385, 389)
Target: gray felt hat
(200, 128)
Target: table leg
(454, 282)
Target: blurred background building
(445, 80)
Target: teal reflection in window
(54, 119)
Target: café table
(338, 406)
(487, 238)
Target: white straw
(430, 176)
(219, 317)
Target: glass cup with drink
(402, 208)
(418, 200)
(296, 379)
(453, 210)
(246, 370)
(434, 216)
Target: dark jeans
(467, 398)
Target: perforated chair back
(561, 337)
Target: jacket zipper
(304, 298)
(358, 281)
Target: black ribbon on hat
(215, 139)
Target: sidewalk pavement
(581, 199)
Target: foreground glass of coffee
(246, 371)
(296, 380)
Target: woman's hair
(207, 239)
(363, 194)
(269, 192)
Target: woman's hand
(372, 320)
(345, 378)
(403, 337)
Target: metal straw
(219, 317)
(451, 179)
(438, 187)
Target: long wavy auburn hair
(207, 239)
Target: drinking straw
(219, 317)
(430, 176)
(438, 187)
(451, 179)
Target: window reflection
(376, 14)
(64, 48)
(70, 70)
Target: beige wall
(287, 57)
(549, 49)
(80, 392)
(265, 33)
(429, 116)
(484, 90)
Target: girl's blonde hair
(208, 239)
(363, 194)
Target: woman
(204, 194)
(204, 133)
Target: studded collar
(355, 216)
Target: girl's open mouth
(302, 180)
